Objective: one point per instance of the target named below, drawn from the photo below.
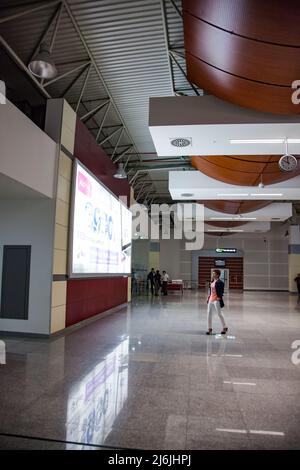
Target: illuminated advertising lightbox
(100, 234)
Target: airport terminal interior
(149, 225)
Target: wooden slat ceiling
(245, 52)
(243, 170)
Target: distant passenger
(157, 282)
(165, 279)
(215, 301)
(297, 280)
(150, 278)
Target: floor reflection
(95, 401)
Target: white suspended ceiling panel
(191, 185)
(211, 126)
(275, 212)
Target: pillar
(294, 256)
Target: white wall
(265, 257)
(175, 259)
(31, 222)
(28, 155)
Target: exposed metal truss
(110, 56)
(84, 69)
(172, 15)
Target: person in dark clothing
(165, 279)
(150, 278)
(215, 302)
(297, 280)
(157, 282)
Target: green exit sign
(226, 250)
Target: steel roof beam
(84, 43)
(172, 54)
(93, 111)
(117, 143)
(57, 14)
(103, 120)
(29, 11)
(83, 87)
(75, 80)
(109, 136)
(66, 74)
(122, 154)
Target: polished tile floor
(148, 377)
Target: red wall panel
(89, 297)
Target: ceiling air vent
(181, 142)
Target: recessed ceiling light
(187, 195)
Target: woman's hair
(218, 272)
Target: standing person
(165, 279)
(157, 282)
(297, 280)
(215, 301)
(150, 278)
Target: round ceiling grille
(181, 142)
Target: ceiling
(11, 189)
(247, 170)
(113, 55)
(220, 34)
(125, 51)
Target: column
(294, 256)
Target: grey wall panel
(31, 222)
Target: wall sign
(226, 250)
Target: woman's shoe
(224, 331)
(209, 332)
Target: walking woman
(215, 302)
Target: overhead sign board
(226, 250)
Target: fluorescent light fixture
(233, 194)
(266, 194)
(264, 141)
(268, 433)
(233, 218)
(238, 383)
(221, 229)
(239, 431)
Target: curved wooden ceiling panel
(239, 91)
(235, 207)
(243, 170)
(242, 52)
(248, 18)
(226, 224)
(226, 52)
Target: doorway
(233, 271)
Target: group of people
(157, 282)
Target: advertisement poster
(101, 237)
